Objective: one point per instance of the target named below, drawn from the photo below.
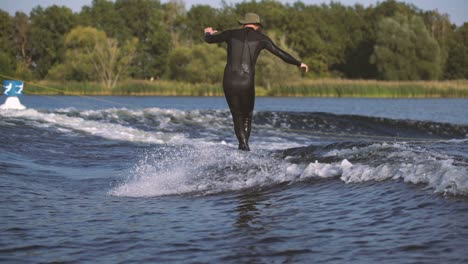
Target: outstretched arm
(286, 57)
(212, 37)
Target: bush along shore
(306, 88)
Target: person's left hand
(305, 67)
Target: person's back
(244, 46)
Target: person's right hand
(305, 67)
(210, 30)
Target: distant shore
(305, 88)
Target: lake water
(159, 180)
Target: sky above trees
(456, 9)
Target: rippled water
(151, 179)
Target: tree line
(147, 39)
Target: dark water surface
(159, 179)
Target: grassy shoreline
(306, 88)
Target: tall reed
(373, 89)
(306, 88)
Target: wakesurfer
(243, 47)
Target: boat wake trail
(208, 169)
(185, 151)
(199, 169)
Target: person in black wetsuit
(243, 47)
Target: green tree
(7, 44)
(23, 29)
(174, 19)
(272, 71)
(199, 63)
(392, 8)
(143, 18)
(324, 36)
(440, 29)
(391, 40)
(428, 52)
(79, 59)
(356, 42)
(103, 15)
(227, 17)
(457, 59)
(309, 41)
(24, 49)
(405, 50)
(92, 55)
(48, 28)
(198, 18)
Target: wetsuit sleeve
(216, 38)
(286, 57)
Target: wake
(213, 168)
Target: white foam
(268, 144)
(202, 169)
(325, 170)
(212, 168)
(12, 102)
(207, 167)
(96, 128)
(442, 175)
(366, 149)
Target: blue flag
(13, 88)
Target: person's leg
(247, 112)
(247, 119)
(241, 130)
(240, 95)
(247, 102)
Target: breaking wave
(214, 169)
(193, 151)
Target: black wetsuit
(244, 46)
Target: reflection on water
(248, 210)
